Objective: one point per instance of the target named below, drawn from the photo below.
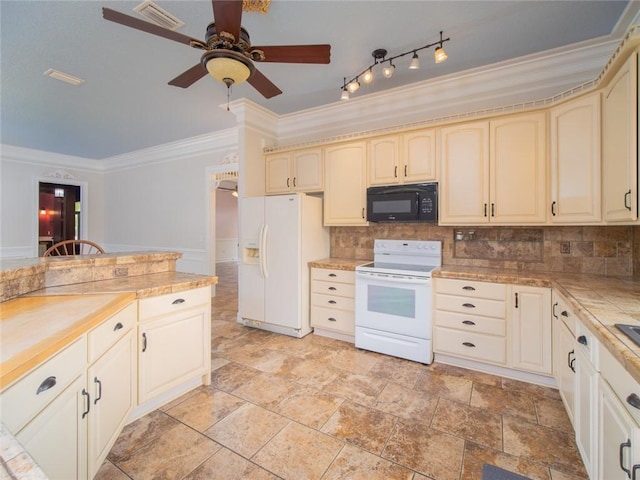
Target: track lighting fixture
(380, 56)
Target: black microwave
(403, 203)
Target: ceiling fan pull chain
(228, 96)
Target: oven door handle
(394, 279)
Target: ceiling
(126, 105)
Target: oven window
(391, 301)
(392, 206)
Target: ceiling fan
(228, 54)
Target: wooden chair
(73, 247)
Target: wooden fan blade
(127, 21)
(188, 78)
(227, 15)
(263, 85)
(296, 53)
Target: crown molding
(254, 116)
(537, 78)
(49, 159)
(206, 144)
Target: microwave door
(397, 206)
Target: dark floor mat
(491, 472)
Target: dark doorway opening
(59, 214)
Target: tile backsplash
(610, 250)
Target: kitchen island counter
(600, 302)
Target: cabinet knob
(634, 400)
(46, 384)
(582, 340)
(117, 326)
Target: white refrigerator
(279, 235)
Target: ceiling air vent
(159, 16)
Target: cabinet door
(308, 172)
(619, 144)
(112, 381)
(345, 184)
(531, 329)
(586, 414)
(575, 161)
(419, 155)
(172, 349)
(278, 175)
(564, 365)
(56, 437)
(464, 174)
(619, 442)
(384, 160)
(518, 169)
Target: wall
(597, 250)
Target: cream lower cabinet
(531, 329)
(174, 335)
(494, 171)
(297, 171)
(564, 353)
(345, 192)
(620, 102)
(575, 161)
(333, 302)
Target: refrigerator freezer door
(282, 295)
(250, 278)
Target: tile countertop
(337, 263)
(599, 302)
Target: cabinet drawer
(472, 289)
(477, 346)
(173, 302)
(333, 288)
(342, 276)
(561, 312)
(588, 344)
(22, 401)
(337, 320)
(110, 331)
(620, 381)
(470, 323)
(471, 306)
(333, 302)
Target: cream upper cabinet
(298, 171)
(517, 169)
(464, 174)
(345, 192)
(575, 161)
(494, 171)
(406, 158)
(620, 144)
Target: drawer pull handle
(47, 383)
(332, 288)
(582, 340)
(144, 342)
(468, 305)
(469, 288)
(468, 344)
(332, 302)
(178, 301)
(635, 468)
(468, 322)
(571, 361)
(621, 456)
(331, 319)
(95, 380)
(117, 327)
(634, 400)
(516, 299)
(86, 412)
(553, 310)
(333, 275)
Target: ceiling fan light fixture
(415, 62)
(227, 66)
(440, 55)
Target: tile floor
(317, 408)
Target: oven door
(394, 303)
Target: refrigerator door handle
(264, 231)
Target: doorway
(59, 214)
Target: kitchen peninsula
(107, 337)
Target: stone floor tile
(298, 452)
(266, 389)
(309, 407)
(353, 360)
(247, 429)
(353, 463)
(311, 372)
(475, 456)
(357, 388)
(453, 387)
(475, 424)
(538, 391)
(365, 427)
(554, 448)
(406, 403)
(227, 465)
(503, 401)
(474, 376)
(551, 413)
(434, 454)
(231, 376)
(206, 407)
(397, 370)
(108, 471)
